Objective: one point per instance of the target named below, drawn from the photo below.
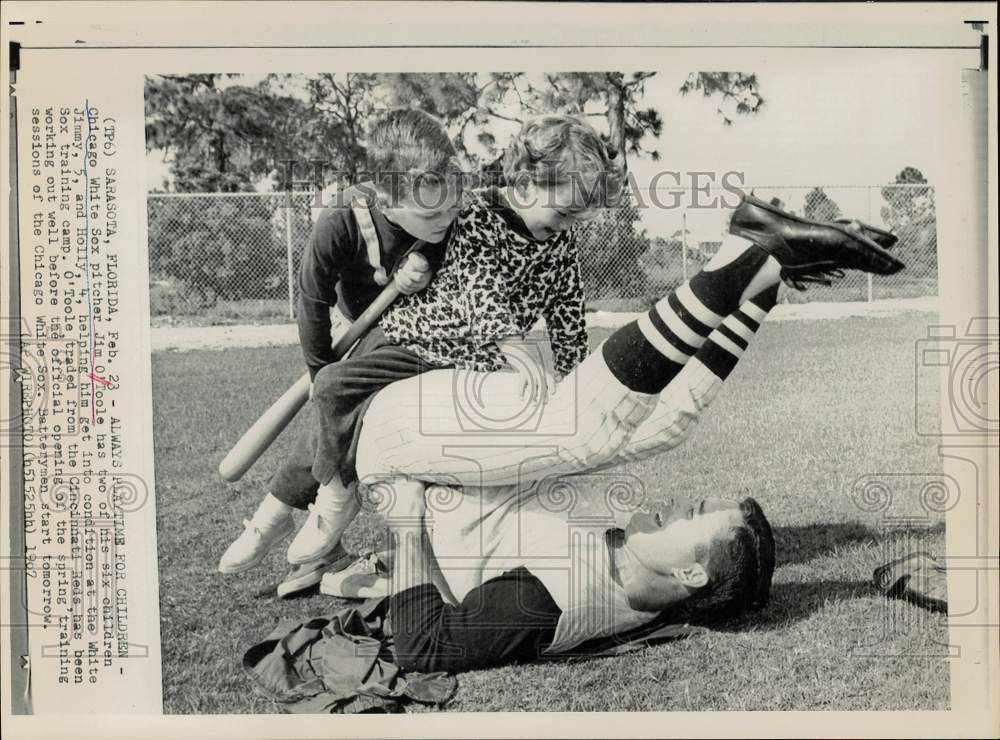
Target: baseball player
(508, 568)
(637, 395)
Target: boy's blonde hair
(553, 150)
(406, 141)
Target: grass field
(813, 407)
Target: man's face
(428, 212)
(670, 534)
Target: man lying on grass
(562, 586)
(508, 574)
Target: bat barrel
(271, 423)
(264, 431)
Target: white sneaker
(309, 574)
(314, 540)
(365, 578)
(254, 543)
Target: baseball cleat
(307, 575)
(806, 248)
(365, 578)
(254, 543)
(885, 239)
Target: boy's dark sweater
(335, 271)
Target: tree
(460, 100)
(909, 200)
(910, 213)
(221, 137)
(471, 104)
(621, 97)
(737, 92)
(347, 103)
(820, 207)
(610, 249)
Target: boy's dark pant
(342, 392)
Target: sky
(831, 118)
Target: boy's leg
(271, 523)
(603, 401)
(293, 483)
(341, 393)
(293, 486)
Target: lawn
(813, 407)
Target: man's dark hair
(408, 140)
(739, 567)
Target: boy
(410, 202)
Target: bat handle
(368, 318)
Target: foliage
(910, 212)
(621, 96)
(472, 104)
(662, 264)
(220, 137)
(221, 134)
(227, 248)
(345, 104)
(459, 99)
(610, 249)
(737, 92)
(820, 207)
(909, 204)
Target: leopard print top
(494, 283)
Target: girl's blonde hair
(553, 150)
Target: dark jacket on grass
(341, 663)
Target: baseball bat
(270, 424)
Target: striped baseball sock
(645, 355)
(726, 345)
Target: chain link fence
(220, 258)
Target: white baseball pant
(472, 429)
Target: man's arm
(323, 259)
(509, 618)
